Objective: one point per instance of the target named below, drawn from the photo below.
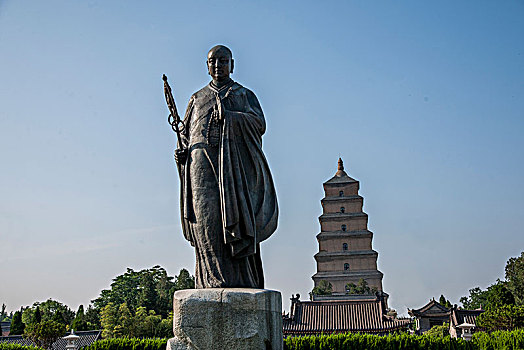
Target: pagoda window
(346, 267)
(343, 227)
(344, 246)
(340, 193)
(342, 209)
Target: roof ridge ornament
(340, 169)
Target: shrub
(128, 344)
(4, 346)
(441, 331)
(499, 340)
(506, 317)
(356, 341)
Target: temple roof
(433, 308)
(315, 317)
(459, 316)
(340, 176)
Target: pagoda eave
(325, 235)
(324, 256)
(341, 198)
(344, 275)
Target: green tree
(38, 315)
(48, 311)
(441, 331)
(3, 314)
(124, 289)
(28, 315)
(361, 288)
(79, 323)
(50, 307)
(165, 328)
(45, 333)
(515, 277)
(147, 323)
(140, 322)
(109, 320)
(92, 318)
(477, 299)
(165, 288)
(323, 288)
(184, 280)
(499, 295)
(444, 302)
(125, 325)
(506, 317)
(151, 288)
(58, 317)
(496, 295)
(147, 296)
(17, 326)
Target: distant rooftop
(366, 315)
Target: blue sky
(424, 101)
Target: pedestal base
(227, 318)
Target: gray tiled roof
(314, 317)
(459, 316)
(431, 309)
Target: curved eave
(341, 216)
(357, 330)
(344, 275)
(353, 198)
(340, 181)
(323, 255)
(324, 235)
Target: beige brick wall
(352, 224)
(356, 263)
(354, 243)
(353, 206)
(350, 189)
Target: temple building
(345, 253)
(429, 315)
(367, 314)
(462, 323)
(355, 301)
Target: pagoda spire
(340, 169)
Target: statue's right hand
(180, 156)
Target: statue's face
(219, 64)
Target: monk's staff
(173, 119)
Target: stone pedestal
(227, 318)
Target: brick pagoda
(345, 254)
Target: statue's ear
(232, 65)
(207, 66)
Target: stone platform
(227, 318)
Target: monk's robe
(228, 198)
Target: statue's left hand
(181, 156)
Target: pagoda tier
(345, 250)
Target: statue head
(220, 63)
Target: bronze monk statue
(228, 199)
